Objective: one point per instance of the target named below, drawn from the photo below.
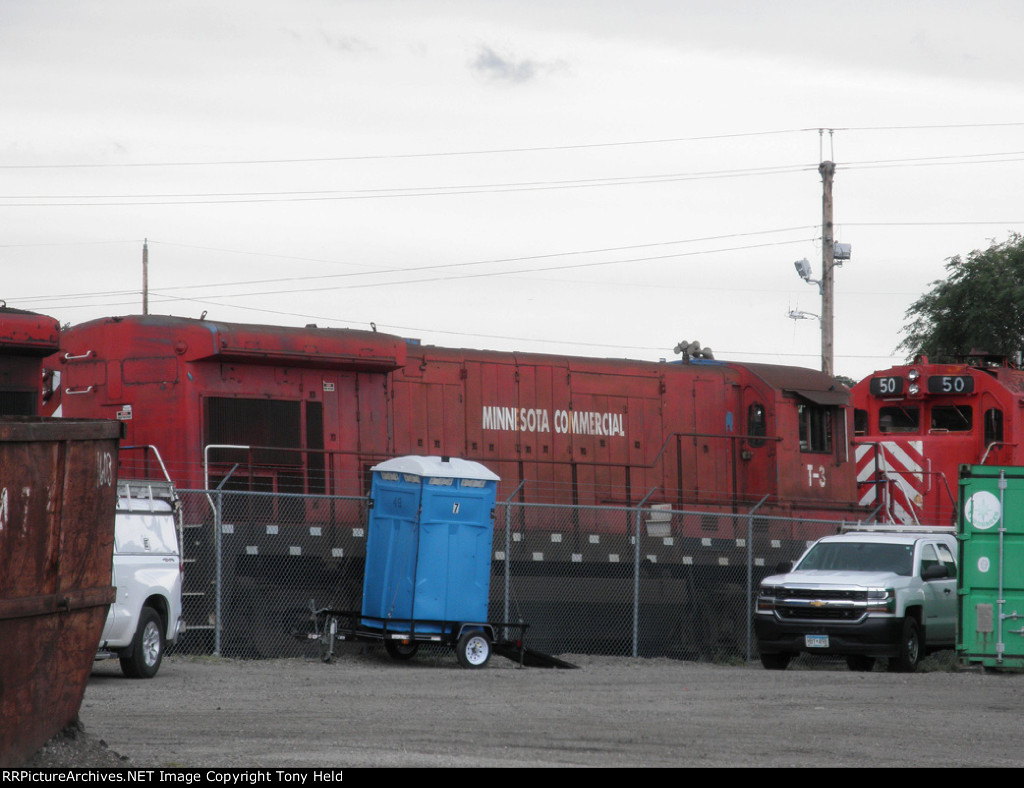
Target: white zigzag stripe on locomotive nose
(899, 466)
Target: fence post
(750, 576)
(217, 510)
(636, 574)
(217, 530)
(508, 554)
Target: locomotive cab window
(815, 428)
(860, 422)
(951, 418)
(757, 425)
(899, 419)
(993, 426)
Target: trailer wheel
(147, 647)
(401, 650)
(473, 650)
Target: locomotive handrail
(272, 467)
(730, 435)
(874, 512)
(206, 460)
(86, 354)
(991, 446)
(159, 459)
(86, 390)
(535, 460)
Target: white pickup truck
(870, 592)
(147, 574)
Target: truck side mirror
(935, 572)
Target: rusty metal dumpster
(57, 502)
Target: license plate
(816, 641)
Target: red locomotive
(304, 413)
(916, 424)
(25, 339)
(310, 410)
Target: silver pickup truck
(147, 574)
(867, 593)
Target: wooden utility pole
(827, 170)
(145, 276)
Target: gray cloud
(499, 67)
(341, 43)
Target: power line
(926, 127)
(495, 151)
(386, 156)
(440, 266)
(362, 194)
(932, 224)
(293, 196)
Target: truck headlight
(766, 599)
(881, 600)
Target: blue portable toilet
(428, 547)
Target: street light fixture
(804, 269)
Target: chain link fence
(641, 581)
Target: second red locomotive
(916, 424)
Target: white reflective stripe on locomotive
(901, 465)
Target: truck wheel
(911, 647)
(776, 661)
(473, 650)
(401, 651)
(147, 647)
(860, 663)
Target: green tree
(978, 307)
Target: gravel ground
(364, 710)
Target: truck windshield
(860, 557)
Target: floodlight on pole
(803, 268)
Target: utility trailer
(428, 567)
(473, 642)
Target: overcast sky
(593, 177)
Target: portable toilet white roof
(448, 467)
